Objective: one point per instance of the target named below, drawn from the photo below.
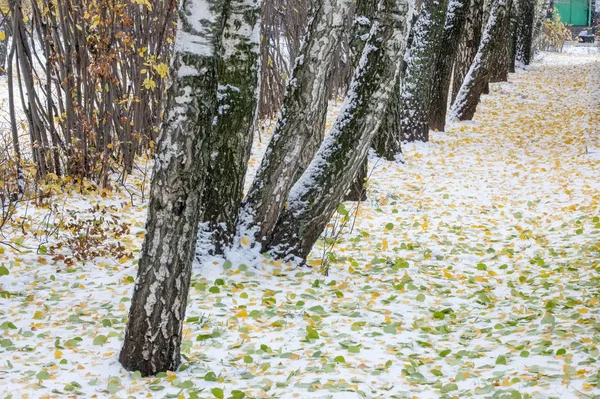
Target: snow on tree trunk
(499, 63)
(364, 14)
(387, 143)
(455, 21)
(468, 45)
(232, 138)
(477, 78)
(316, 196)
(526, 15)
(421, 65)
(538, 27)
(153, 335)
(301, 122)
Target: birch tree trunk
(421, 64)
(153, 336)
(468, 45)
(477, 78)
(499, 63)
(513, 25)
(231, 142)
(387, 143)
(301, 123)
(455, 21)
(526, 15)
(364, 15)
(315, 197)
(538, 27)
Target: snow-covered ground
(472, 271)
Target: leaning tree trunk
(154, 330)
(421, 64)
(477, 78)
(232, 139)
(316, 196)
(526, 15)
(364, 14)
(301, 124)
(455, 21)
(468, 45)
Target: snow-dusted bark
(316, 196)
(421, 62)
(153, 335)
(538, 26)
(526, 15)
(477, 78)
(499, 64)
(231, 141)
(364, 16)
(455, 21)
(301, 123)
(468, 45)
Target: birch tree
(453, 29)
(500, 63)
(468, 45)
(478, 76)
(526, 17)
(421, 62)
(301, 123)
(364, 15)
(154, 330)
(232, 139)
(316, 196)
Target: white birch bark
(317, 194)
(154, 330)
(300, 126)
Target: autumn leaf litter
(471, 271)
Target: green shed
(575, 12)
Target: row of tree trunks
(420, 69)
(153, 336)
(453, 30)
(315, 197)
(478, 76)
(232, 139)
(300, 127)
(468, 45)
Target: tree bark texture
(421, 64)
(387, 143)
(453, 29)
(231, 141)
(477, 78)
(468, 45)
(514, 23)
(499, 63)
(538, 27)
(300, 127)
(526, 13)
(364, 14)
(153, 336)
(316, 196)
